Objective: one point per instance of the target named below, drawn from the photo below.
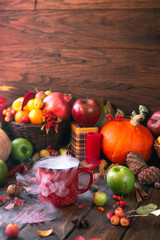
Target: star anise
(80, 222)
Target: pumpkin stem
(136, 119)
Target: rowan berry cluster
(4, 199)
(18, 202)
(50, 119)
(101, 209)
(119, 200)
(116, 117)
(52, 151)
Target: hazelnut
(13, 190)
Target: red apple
(12, 230)
(86, 112)
(153, 123)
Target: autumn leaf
(144, 210)
(10, 206)
(27, 188)
(6, 88)
(45, 233)
(103, 167)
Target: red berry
(124, 204)
(102, 209)
(114, 197)
(119, 198)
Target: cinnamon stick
(138, 196)
(143, 194)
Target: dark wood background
(103, 48)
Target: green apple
(99, 198)
(120, 179)
(3, 171)
(22, 149)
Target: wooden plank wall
(104, 48)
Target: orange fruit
(16, 105)
(30, 104)
(18, 116)
(36, 116)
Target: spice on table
(80, 222)
(13, 190)
(138, 196)
(141, 191)
(19, 168)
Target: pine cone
(149, 175)
(135, 162)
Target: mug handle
(88, 186)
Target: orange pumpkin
(124, 136)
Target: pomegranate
(59, 104)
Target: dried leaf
(56, 128)
(27, 188)
(59, 119)
(47, 130)
(95, 238)
(6, 88)
(104, 109)
(144, 210)
(110, 108)
(82, 205)
(10, 206)
(45, 233)
(103, 167)
(156, 212)
(111, 166)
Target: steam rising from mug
(55, 180)
(60, 162)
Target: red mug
(58, 178)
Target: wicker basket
(157, 148)
(39, 138)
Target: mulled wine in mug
(59, 180)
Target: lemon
(16, 105)
(3, 172)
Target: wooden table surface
(99, 226)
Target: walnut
(13, 190)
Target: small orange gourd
(124, 136)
